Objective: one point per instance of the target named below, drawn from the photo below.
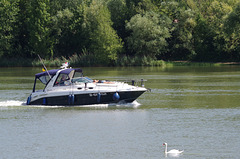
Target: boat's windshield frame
(81, 80)
(45, 77)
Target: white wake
(12, 103)
(134, 104)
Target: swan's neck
(165, 148)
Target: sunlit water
(192, 108)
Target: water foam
(11, 103)
(134, 104)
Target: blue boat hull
(88, 99)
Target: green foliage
(105, 43)
(139, 7)
(62, 32)
(232, 30)
(149, 33)
(118, 11)
(139, 61)
(109, 32)
(216, 12)
(8, 14)
(22, 46)
(181, 43)
(232, 21)
(203, 39)
(85, 59)
(39, 28)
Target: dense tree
(67, 19)
(62, 33)
(8, 16)
(181, 44)
(22, 47)
(203, 40)
(118, 10)
(216, 13)
(232, 30)
(39, 22)
(106, 29)
(58, 5)
(104, 42)
(149, 33)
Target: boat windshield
(62, 80)
(82, 80)
(44, 79)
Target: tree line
(108, 30)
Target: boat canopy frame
(51, 73)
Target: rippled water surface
(192, 108)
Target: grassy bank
(190, 63)
(87, 60)
(84, 60)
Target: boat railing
(136, 82)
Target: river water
(192, 108)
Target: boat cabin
(60, 77)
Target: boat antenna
(44, 66)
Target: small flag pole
(44, 66)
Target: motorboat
(68, 87)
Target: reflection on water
(190, 108)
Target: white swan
(173, 151)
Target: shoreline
(130, 62)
